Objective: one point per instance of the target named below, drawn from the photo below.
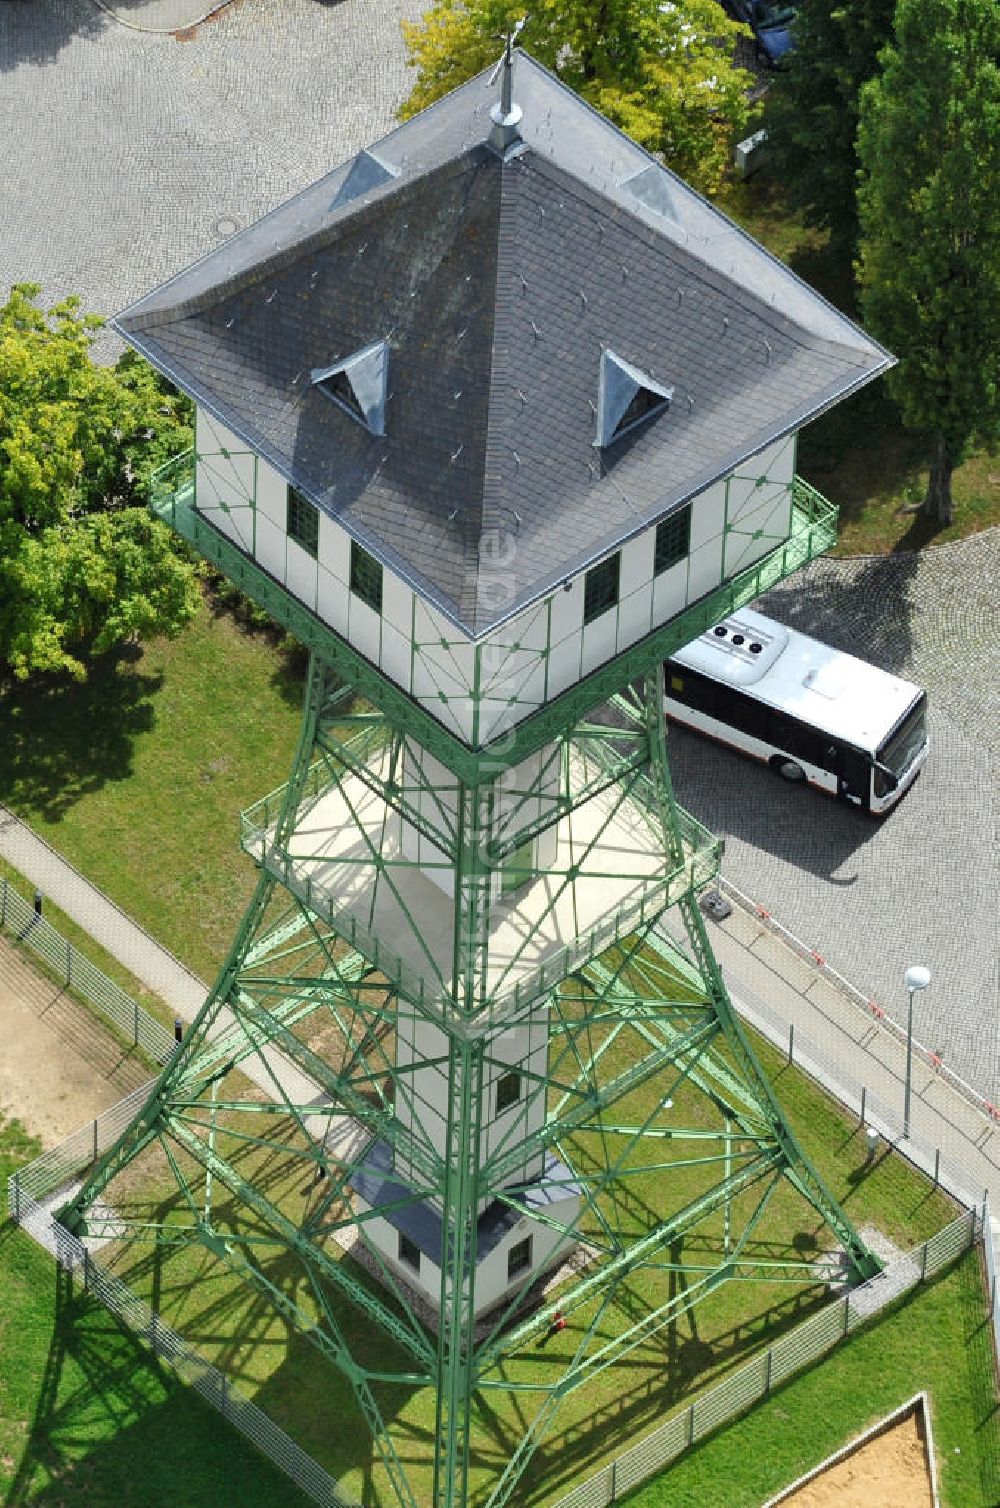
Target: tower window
(508, 1091)
(303, 522)
(409, 1252)
(600, 587)
(673, 540)
(519, 1259)
(366, 577)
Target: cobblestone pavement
(127, 155)
(921, 885)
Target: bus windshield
(899, 751)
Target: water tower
(493, 418)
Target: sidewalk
(777, 991)
(133, 946)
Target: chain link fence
(21, 920)
(754, 1381)
(35, 1191)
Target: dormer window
(358, 385)
(626, 398)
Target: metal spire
(506, 116)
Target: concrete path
(775, 989)
(134, 947)
(98, 915)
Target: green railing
(813, 530)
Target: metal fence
(146, 1325)
(19, 918)
(991, 1243)
(754, 1381)
(53, 1172)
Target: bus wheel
(787, 769)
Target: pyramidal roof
(533, 353)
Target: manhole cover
(226, 227)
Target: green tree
(813, 106)
(929, 202)
(83, 565)
(662, 70)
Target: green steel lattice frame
(633, 1021)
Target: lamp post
(917, 978)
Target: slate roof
(497, 282)
(421, 1220)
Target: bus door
(854, 776)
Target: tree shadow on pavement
(35, 33)
(63, 739)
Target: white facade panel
(637, 563)
(331, 600)
(271, 548)
(705, 569)
(635, 616)
(599, 641)
(670, 592)
(302, 572)
(708, 514)
(395, 657)
(564, 664)
(567, 611)
(364, 628)
(334, 548)
(397, 604)
(272, 494)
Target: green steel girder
(628, 1026)
(814, 530)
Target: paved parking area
(128, 154)
(921, 885)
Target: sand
(890, 1471)
(58, 1067)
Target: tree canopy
(83, 565)
(929, 203)
(813, 106)
(662, 70)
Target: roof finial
(506, 116)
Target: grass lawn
(86, 945)
(138, 776)
(243, 1335)
(87, 1417)
(936, 1340)
(859, 455)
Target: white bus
(811, 712)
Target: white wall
(478, 692)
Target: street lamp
(917, 978)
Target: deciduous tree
(83, 566)
(662, 70)
(929, 202)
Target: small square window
(508, 1091)
(600, 588)
(673, 540)
(303, 522)
(366, 577)
(519, 1259)
(409, 1252)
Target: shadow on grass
(64, 740)
(977, 1327)
(111, 1426)
(224, 600)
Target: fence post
(791, 1039)
(691, 1424)
(69, 963)
(135, 1023)
(3, 906)
(614, 1481)
(923, 1262)
(95, 1138)
(937, 1165)
(767, 1373)
(847, 1311)
(17, 1176)
(864, 1097)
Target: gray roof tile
(496, 285)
